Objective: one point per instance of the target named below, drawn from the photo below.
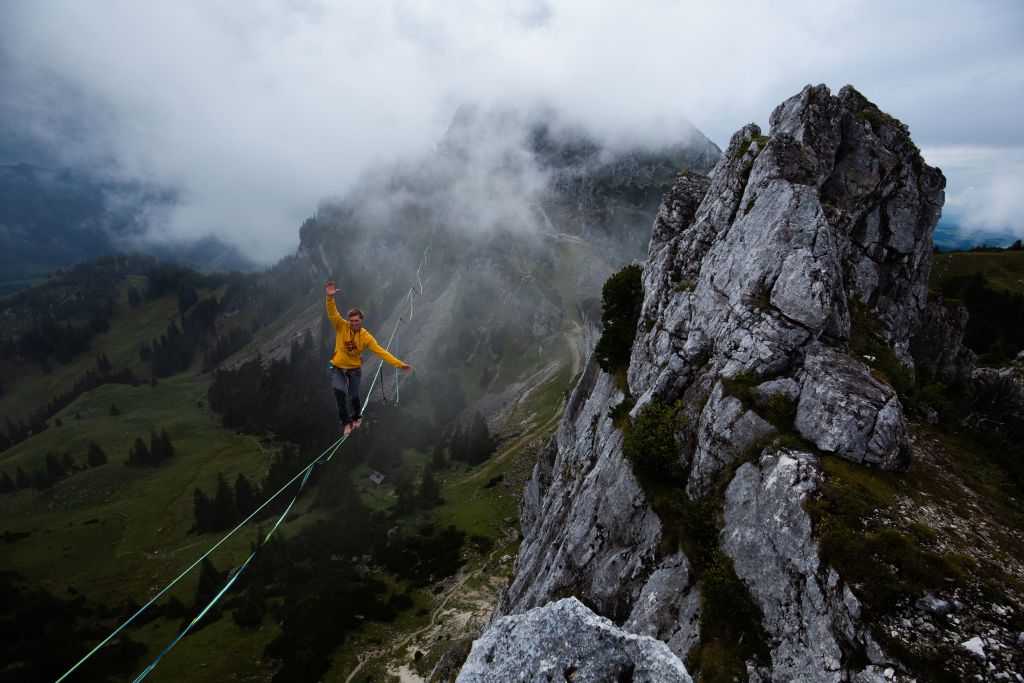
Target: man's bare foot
(356, 423)
(348, 429)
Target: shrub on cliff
(621, 300)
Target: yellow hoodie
(348, 346)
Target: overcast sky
(256, 111)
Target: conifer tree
(406, 498)
(480, 445)
(223, 508)
(209, 583)
(54, 470)
(175, 608)
(245, 497)
(103, 364)
(22, 480)
(437, 461)
(429, 494)
(6, 483)
(252, 610)
(156, 448)
(459, 447)
(40, 480)
(67, 463)
(95, 456)
(201, 511)
(139, 454)
(167, 448)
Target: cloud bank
(253, 113)
(985, 187)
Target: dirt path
(454, 591)
(572, 338)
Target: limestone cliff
(784, 295)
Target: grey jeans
(346, 385)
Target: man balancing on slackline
(347, 363)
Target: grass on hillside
(1004, 269)
(116, 533)
(950, 523)
(128, 329)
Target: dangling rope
(304, 474)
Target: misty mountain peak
(774, 291)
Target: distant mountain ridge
(55, 217)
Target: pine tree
(54, 470)
(167, 448)
(139, 454)
(459, 447)
(156, 448)
(175, 608)
(114, 410)
(201, 511)
(40, 480)
(103, 364)
(253, 608)
(22, 480)
(223, 508)
(95, 456)
(245, 497)
(406, 498)
(480, 443)
(6, 483)
(67, 463)
(429, 494)
(437, 461)
(209, 583)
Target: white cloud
(985, 187)
(256, 111)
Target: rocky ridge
(762, 282)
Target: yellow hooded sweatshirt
(348, 346)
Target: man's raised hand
(331, 289)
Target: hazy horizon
(253, 117)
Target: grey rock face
(1002, 389)
(669, 606)
(808, 613)
(726, 431)
(747, 290)
(566, 641)
(846, 411)
(834, 205)
(587, 528)
(938, 342)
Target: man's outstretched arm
(383, 353)
(332, 308)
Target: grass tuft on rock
(730, 623)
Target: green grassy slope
(1003, 268)
(117, 533)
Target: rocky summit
(784, 296)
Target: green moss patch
(868, 345)
(730, 623)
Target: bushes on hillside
(160, 448)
